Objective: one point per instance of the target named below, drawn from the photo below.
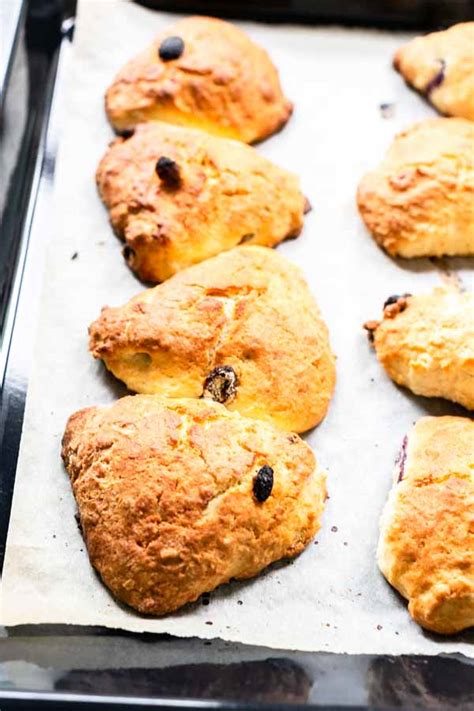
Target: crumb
(387, 110)
(334, 529)
(379, 627)
(205, 601)
(239, 602)
(345, 543)
(208, 622)
(74, 256)
(397, 632)
(316, 543)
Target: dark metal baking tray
(395, 14)
(55, 667)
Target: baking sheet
(332, 598)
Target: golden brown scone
(202, 73)
(178, 196)
(420, 201)
(426, 343)
(241, 328)
(441, 66)
(426, 545)
(176, 497)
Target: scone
(242, 329)
(441, 66)
(201, 73)
(426, 546)
(420, 201)
(426, 343)
(178, 196)
(176, 497)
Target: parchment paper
(332, 597)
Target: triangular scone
(241, 328)
(419, 202)
(426, 546)
(178, 196)
(176, 497)
(426, 343)
(441, 66)
(201, 73)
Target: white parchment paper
(332, 597)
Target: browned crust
(440, 66)
(249, 309)
(223, 83)
(427, 528)
(165, 495)
(420, 200)
(428, 344)
(227, 194)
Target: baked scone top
(426, 343)
(426, 546)
(441, 66)
(420, 200)
(173, 501)
(242, 328)
(221, 82)
(178, 196)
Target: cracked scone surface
(227, 194)
(249, 310)
(420, 201)
(426, 545)
(165, 493)
(441, 66)
(222, 83)
(426, 343)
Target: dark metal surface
(25, 103)
(55, 667)
(393, 14)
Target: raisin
(221, 384)
(263, 483)
(171, 48)
(401, 459)
(128, 252)
(79, 524)
(393, 299)
(168, 171)
(438, 78)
